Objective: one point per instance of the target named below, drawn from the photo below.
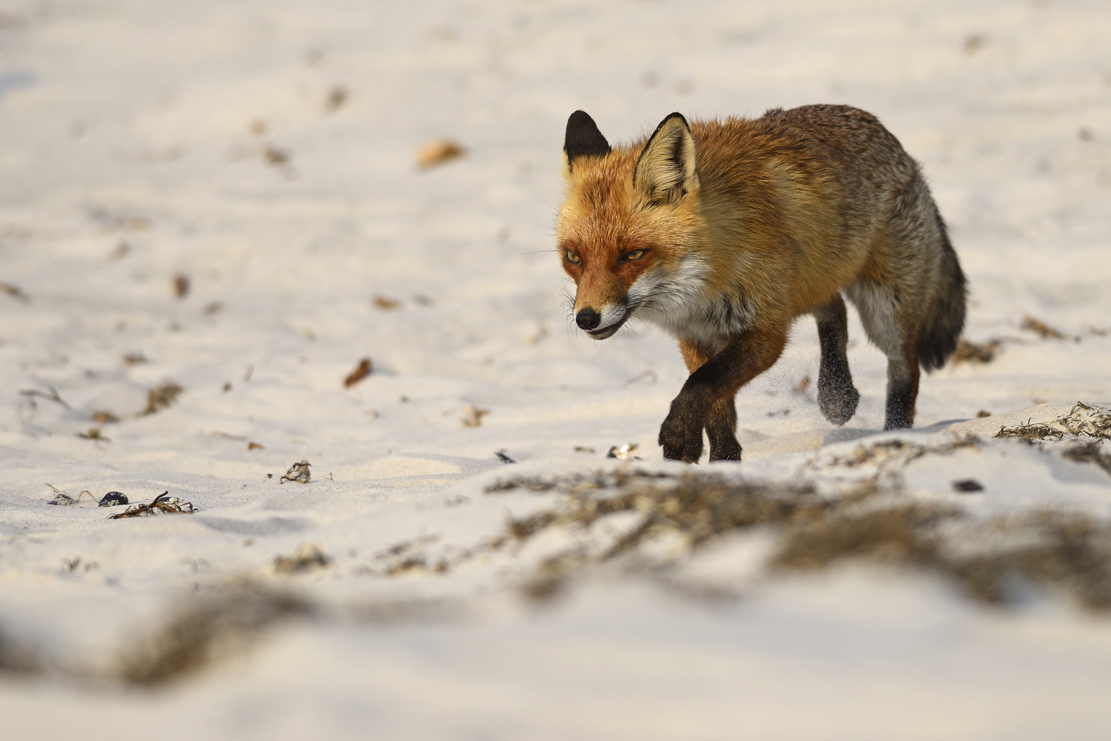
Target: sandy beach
(211, 214)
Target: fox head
(629, 223)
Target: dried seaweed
(971, 352)
(61, 498)
(361, 371)
(696, 506)
(15, 292)
(181, 285)
(51, 396)
(438, 152)
(298, 472)
(899, 451)
(472, 416)
(307, 558)
(17, 657)
(162, 397)
(208, 629)
(163, 504)
(1063, 553)
(1068, 554)
(1040, 328)
(385, 303)
(337, 96)
(1089, 453)
(1084, 421)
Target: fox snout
(604, 321)
(588, 319)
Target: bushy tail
(945, 316)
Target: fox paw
(680, 441)
(837, 401)
(725, 450)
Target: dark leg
(721, 428)
(719, 378)
(837, 397)
(902, 389)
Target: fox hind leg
(879, 312)
(837, 397)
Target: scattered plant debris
(308, 557)
(503, 456)
(967, 486)
(624, 453)
(17, 657)
(983, 413)
(583, 449)
(94, 433)
(298, 472)
(472, 416)
(255, 446)
(112, 499)
(213, 307)
(803, 385)
(1040, 328)
(360, 372)
(105, 418)
(1083, 421)
(1064, 553)
(135, 358)
(1089, 453)
(695, 506)
(206, 630)
(385, 303)
(15, 292)
(899, 451)
(61, 498)
(974, 43)
(181, 285)
(275, 156)
(337, 96)
(972, 352)
(1060, 552)
(52, 396)
(163, 504)
(438, 152)
(162, 397)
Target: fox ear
(583, 139)
(665, 171)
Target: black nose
(588, 319)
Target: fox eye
(573, 257)
(635, 255)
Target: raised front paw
(681, 438)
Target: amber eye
(573, 257)
(635, 255)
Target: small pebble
(967, 486)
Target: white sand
(133, 148)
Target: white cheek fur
(677, 302)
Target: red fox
(723, 232)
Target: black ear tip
(580, 118)
(583, 137)
(672, 116)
